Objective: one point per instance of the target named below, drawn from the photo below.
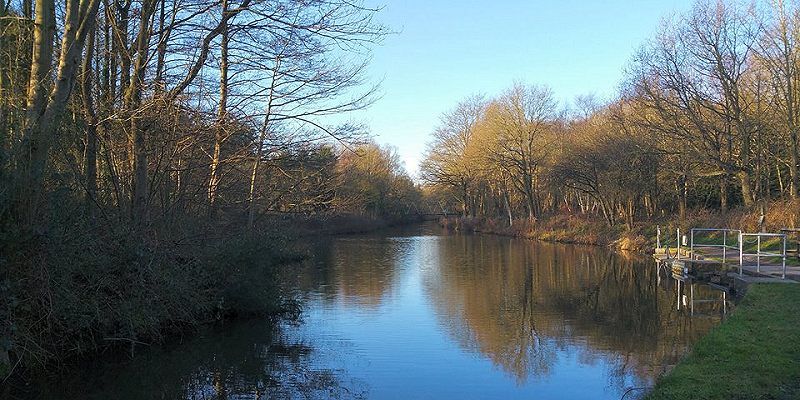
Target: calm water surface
(422, 315)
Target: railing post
(783, 275)
(741, 251)
(724, 302)
(658, 237)
(758, 253)
(724, 244)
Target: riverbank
(71, 294)
(753, 354)
(102, 290)
(384, 309)
(640, 237)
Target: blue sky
(446, 51)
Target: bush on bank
(78, 287)
(75, 289)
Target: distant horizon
(442, 54)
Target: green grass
(754, 354)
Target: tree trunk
(608, 213)
(684, 197)
(5, 94)
(44, 112)
(140, 194)
(464, 200)
(723, 193)
(122, 50)
(794, 186)
(251, 212)
(747, 193)
(107, 99)
(29, 153)
(90, 165)
(631, 212)
(507, 202)
(161, 49)
(219, 132)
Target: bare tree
(778, 51)
(45, 107)
(693, 77)
(447, 159)
(521, 124)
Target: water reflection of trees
(519, 303)
(248, 360)
(357, 271)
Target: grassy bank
(583, 229)
(754, 354)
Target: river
(421, 314)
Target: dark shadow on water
(244, 360)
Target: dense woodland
(156, 154)
(707, 117)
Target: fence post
(724, 302)
(658, 237)
(741, 251)
(724, 244)
(783, 275)
(758, 253)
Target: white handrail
(724, 244)
(666, 249)
(758, 254)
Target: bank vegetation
(157, 158)
(704, 129)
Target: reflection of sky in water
(403, 353)
(430, 317)
(404, 344)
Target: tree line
(151, 152)
(706, 117)
(146, 107)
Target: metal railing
(724, 246)
(666, 249)
(689, 300)
(759, 253)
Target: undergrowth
(641, 236)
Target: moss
(754, 354)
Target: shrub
(76, 287)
